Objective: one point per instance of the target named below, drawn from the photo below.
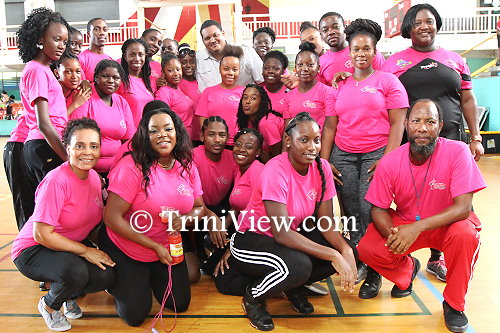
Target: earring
(288, 146)
(40, 46)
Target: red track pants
(459, 242)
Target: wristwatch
(476, 138)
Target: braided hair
(265, 108)
(307, 47)
(214, 119)
(254, 132)
(363, 27)
(291, 127)
(145, 70)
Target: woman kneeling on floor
(68, 206)
(296, 186)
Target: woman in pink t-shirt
(369, 102)
(368, 122)
(42, 39)
(110, 110)
(247, 148)
(158, 172)
(311, 95)
(171, 94)
(53, 245)
(287, 238)
(222, 99)
(189, 85)
(140, 86)
(275, 65)
(255, 111)
(76, 42)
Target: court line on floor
(434, 291)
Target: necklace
(168, 166)
(419, 193)
(357, 82)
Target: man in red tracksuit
(431, 180)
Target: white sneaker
(55, 321)
(72, 310)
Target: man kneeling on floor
(431, 181)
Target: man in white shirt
(207, 60)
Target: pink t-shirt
(137, 96)
(280, 182)
(452, 172)
(190, 89)
(362, 109)
(20, 132)
(180, 103)
(243, 186)
(115, 122)
(272, 128)
(334, 62)
(216, 177)
(88, 63)
(318, 102)
(38, 81)
(125, 147)
(71, 205)
(173, 188)
(217, 101)
(277, 99)
(155, 67)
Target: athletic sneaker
(55, 321)
(72, 310)
(438, 268)
(315, 289)
(456, 321)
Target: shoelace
(159, 315)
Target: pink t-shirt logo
(403, 63)
(309, 104)
(348, 64)
(222, 180)
(123, 124)
(437, 186)
(368, 89)
(184, 191)
(234, 98)
(282, 101)
(236, 191)
(312, 194)
(430, 65)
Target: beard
(425, 150)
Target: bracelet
(476, 138)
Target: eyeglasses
(183, 52)
(107, 77)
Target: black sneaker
(256, 312)
(455, 321)
(371, 286)
(298, 299)
(362, 271)
(399, 293)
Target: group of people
(270, 146)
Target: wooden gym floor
(338, 312)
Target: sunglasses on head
(183, 52)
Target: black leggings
(274, 268)
(134, 281)
(22, 193)
(40, 160)
(71, 275)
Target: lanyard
(419, 193)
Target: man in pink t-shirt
(431, 180)
(97, 31)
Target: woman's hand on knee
(98, 257)
(223, 264)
